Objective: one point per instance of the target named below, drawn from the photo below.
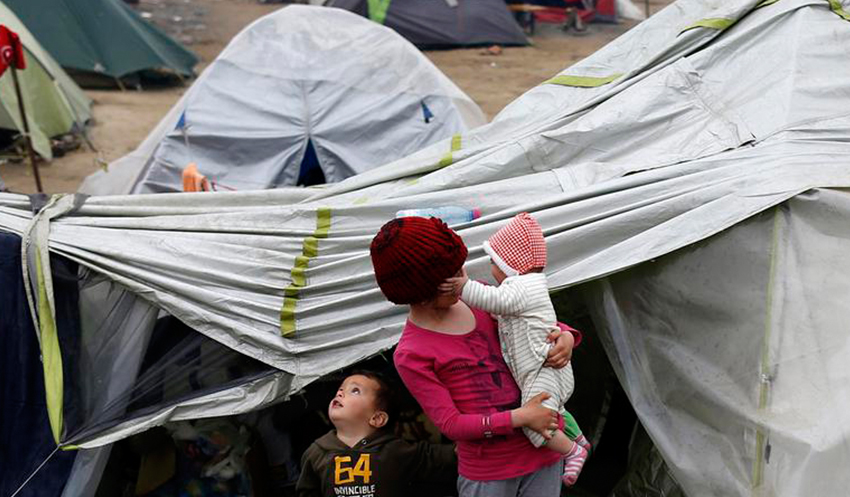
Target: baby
(526, 317)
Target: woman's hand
(562, 349)
(533, 415)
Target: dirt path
(123, 119)
(495, 81)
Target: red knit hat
(518, 247)
(413, 255)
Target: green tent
(55, 105)
(104, 37)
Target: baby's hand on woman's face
(454, 285)
(459, 281)
(447, 287)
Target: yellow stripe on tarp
(836, 7)
(447, 159)
(765, 3)
(309, 250)
(719, 23)
(582, 81)
(51, 355)
(287, 315)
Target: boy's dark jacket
(381, 465)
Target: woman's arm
(421, 380)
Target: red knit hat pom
(519, 247)
(413, 255)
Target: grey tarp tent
(442, 23)
(55, 105)
(692, 189)
(101, 38)
(300, 86)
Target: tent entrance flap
(310, 172)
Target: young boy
(526, 317)
(361, 457)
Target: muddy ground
(122, 119)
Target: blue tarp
(25, 438)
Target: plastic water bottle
(450, 214)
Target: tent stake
(27, 137)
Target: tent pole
(27, 137)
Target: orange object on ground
(193, 180)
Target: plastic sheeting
(359, 93)
(134, 364)
(702, 130)
(751, 324)
(647, 475)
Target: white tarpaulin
(734, 351)
(695, 122)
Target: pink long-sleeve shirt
(466, 389)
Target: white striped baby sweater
(526, 317)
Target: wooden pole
(647, 9)
(27, 137)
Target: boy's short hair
(385, 397)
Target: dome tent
(55, 105)
(101, 38)
(442, 23)
(303, 82)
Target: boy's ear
(379, 419)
